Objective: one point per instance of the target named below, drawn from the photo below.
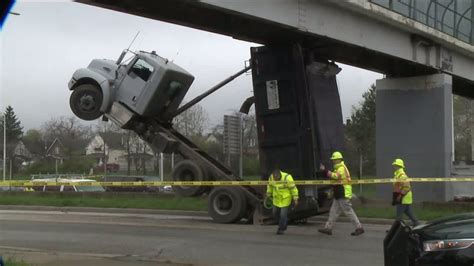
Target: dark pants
(281, 215)
(406, 209)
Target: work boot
(326, 231)
(280, 232)
(358, 231)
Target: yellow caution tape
(31, 183)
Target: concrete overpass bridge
(424, 47)
(397, 38)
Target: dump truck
(298, 112)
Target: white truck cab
(146, 85)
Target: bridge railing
(453, 17)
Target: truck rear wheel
(85, 102)
(188, 170)
(227, 204)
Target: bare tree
(249, 126)
(69, 130)
(192, 122)
(249, 130)
(130, 135)
(463, 119)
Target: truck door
(134, 82)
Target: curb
(103, 210)
(322, 218)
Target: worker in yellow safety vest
(281, 194)
(402, 194)
(342, 196)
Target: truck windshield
(141, 69)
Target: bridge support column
(414, 122)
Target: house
(119, 148)
(37, 149)
(20, 150)
(23, 153)
(211, 138)
(56, 151)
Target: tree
(360, 129)
(14, 130)
(250, 138)
(69, 130)
(33, 139)
(214, 143)
(463, 120)
(192, 122)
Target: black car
(447, 241)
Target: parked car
(443, 242)
(168, 189)
(57, 176)
(111, 168)
(15, 189)
(64, 188)
(124, 178)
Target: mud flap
(262, 215)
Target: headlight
(441, 245)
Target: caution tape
(32, 183)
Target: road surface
(58, 238)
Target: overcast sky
(41, 48)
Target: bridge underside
(250, 28)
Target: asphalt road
(57, 238)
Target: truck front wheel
(85, 102)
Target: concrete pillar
(414, 122)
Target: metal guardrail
(453, 17)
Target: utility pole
(241, 161)
(4, 145)
(161, 166)
(172, 160)
(105, 153)
(5, 128)
(11, 159)
(361, 161)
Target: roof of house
(113, 140)
(56, 143)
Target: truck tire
(188, 170)
(227, 204)
(85, 102)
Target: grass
(366, 191)
(425, 211)
(116, 201)
(11, 262)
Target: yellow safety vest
(341, 173)
(403, 186)
(282, 193)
